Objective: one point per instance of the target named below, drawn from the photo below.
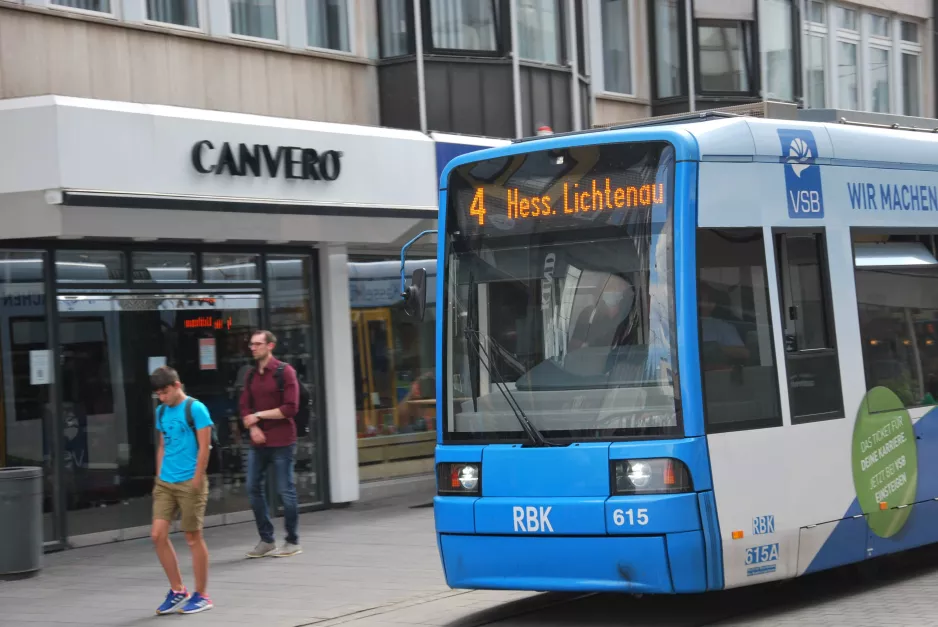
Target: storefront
(395, 355)
(139, 235)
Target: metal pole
(689, 30)
(421, 85)
(575, 105)
(515, 68)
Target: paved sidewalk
(355, 560)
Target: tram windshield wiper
(474, 338)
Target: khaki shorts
(170, 499)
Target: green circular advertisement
(885, 464)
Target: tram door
(376, 399)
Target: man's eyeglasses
(255, 344)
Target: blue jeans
(259, 460)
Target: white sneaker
(262, 549)
(288, 550)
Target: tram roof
(718, 136)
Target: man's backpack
(304, 405)
(214, 458)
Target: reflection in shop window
(25, 371)
(164, 267)
(394, 353)
(225, 268)
(89, 266)
(289, 278)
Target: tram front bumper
(586, 545)
(648, 564)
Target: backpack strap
(159, 417)
(189, 418)
(248, 380)
(278, 375)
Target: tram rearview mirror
(415, 298)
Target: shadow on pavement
(760, 601)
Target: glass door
(109, 346)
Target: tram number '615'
(620, 516)
(762, 554)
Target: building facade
(188, 170)
(677, 56)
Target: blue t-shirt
(180, 445)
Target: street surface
(377, 564)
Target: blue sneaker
(197, 603)
(173, 601)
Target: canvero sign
(289, 162)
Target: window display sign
(207, 359)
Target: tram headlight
(650, 476)
(459, 478)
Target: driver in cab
(606, 324)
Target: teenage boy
(181, 487)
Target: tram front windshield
(559, 294)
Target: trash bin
(20, 521)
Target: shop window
(289, 278)
(540, 33)
(178, 12)
(897, 300)
(26, 371)
(327, 23)
(230, 268)
(89, 266)
(160, 267)
(464, 24)
(737, 358)
(98, 6)
(395, 354)
(254, 18)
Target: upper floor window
(254, 18)
(99, 6)
(669, 67)
(725, 52)
(817, 12)
(910, 48)
(464, 25)
(777, 48)
(847, 19)
(859, 71)
(328, 24)
(539, 30)
(178, 12)
(617, 42)
(394, 19)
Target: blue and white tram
(687, 356)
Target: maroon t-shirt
(266, 393)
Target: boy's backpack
(304, 405)
(214, 458)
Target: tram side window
(737, 358)
(897, 300)
(811, 359)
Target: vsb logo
(805, 197)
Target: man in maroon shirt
(268, 414)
